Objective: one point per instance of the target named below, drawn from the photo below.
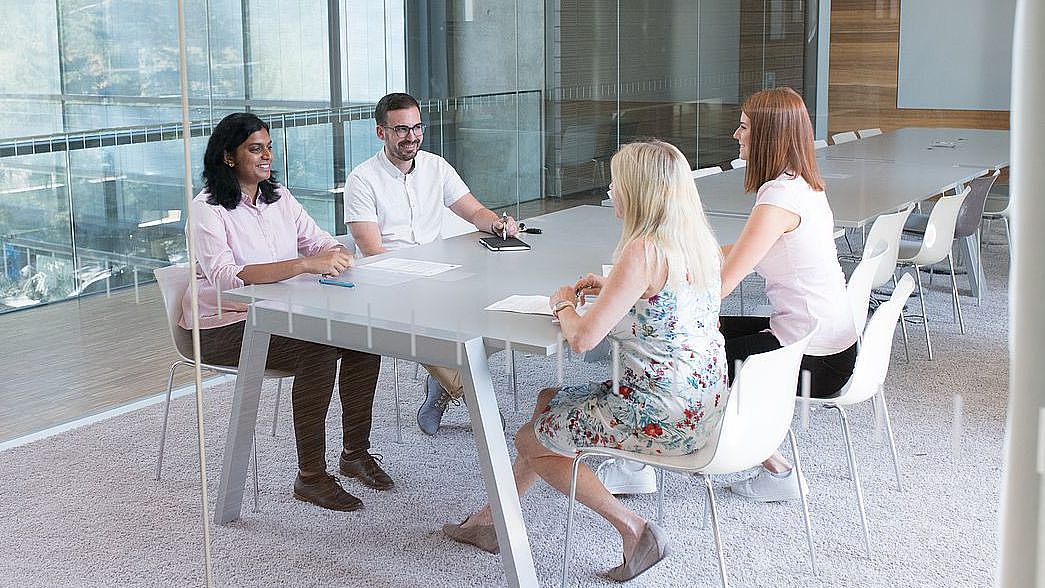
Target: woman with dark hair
(788, 240)
(248, 229)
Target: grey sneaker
(430, 415)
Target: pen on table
(504, 226)
(334, 282)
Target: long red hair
(781, 139)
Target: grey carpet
(81, 508)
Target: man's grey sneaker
(430, 415)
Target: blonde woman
(672, 358)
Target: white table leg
(496, 467)
(242, 423)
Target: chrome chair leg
(842, 426)
(254, 448)
(892, 441)
(275, 411)
(925, 315)
(715, 531)
(395, 391)
(954, 293)
(660, 496)
(510, 358)
(805, 500)
(903, 327)
(569, 518)
(417, 371)
(856, 479)
(166, 414)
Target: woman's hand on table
(330, 262)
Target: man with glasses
(397, 199)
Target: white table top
(574, 242)
(858, 190)
(978, 148)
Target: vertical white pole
(1022, 547)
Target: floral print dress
(672, 388)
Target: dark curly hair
(218, 177)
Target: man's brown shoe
(366, 469)
(325, 492)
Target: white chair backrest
(174, 282)
(819, 143)
(347, 241)
(887, 229)
(843, 137)
(858, 290)
(759, 409)
(865, 133)
(872, 363)
(706, 171)
(737, 163)
(939, 230)
(454, 225)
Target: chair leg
(660, 496)
(954, 293)
(417, 371)
(1008, 237)
(903, 327)
(856, 479)
(892, 441)
(166, 413)
(715, 531)
(805, 500)
(510, 357)
(395, 391)
(569, 518)
(925, 315)
(254, 457)
(275, 411)
(842, 426)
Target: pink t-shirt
(228, 240)
(804, 283)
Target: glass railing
(88, 212)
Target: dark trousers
(748, 335)
(314, 367)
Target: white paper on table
(606, 269)
(415, 267)
(536, 304)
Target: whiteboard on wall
(955, 54)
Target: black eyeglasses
(402, 131)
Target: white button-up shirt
(408, 208)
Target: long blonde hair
(660, 205)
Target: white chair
(706, 171)
(887, 230)
(738, 163)
(755, 421)
(858, 289)
(934, 247)
(865, 133)
(174, 282)
(819, 143)
(845, 137)
(998, 207)
(867, 383)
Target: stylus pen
(333, 282)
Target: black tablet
(496, 243)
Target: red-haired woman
(788, 240)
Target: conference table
(439, 320)
(978, 148)
(858, 190)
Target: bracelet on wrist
(560, 305)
